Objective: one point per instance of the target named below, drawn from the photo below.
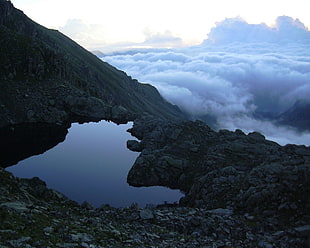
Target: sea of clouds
(239, 76)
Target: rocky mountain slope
(46, 77)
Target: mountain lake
(92, 165)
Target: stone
(257, 136)
(67, 245)
(146, 214)
(121, 115)
(17, 206)
(21, 242)
(48, 229)
(87, 205)
(91, 107)
(264, 244)
(174, 162)
(81, 237)
(134, 145)
(52, 102)
(220, 211)
(303, 230)
(31, 115)
(195, 221)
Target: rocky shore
(34, 216)
(246, 174)
(220, 169)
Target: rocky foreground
(34, 216)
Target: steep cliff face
(46, 77)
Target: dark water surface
(92, 165)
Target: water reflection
(21, 141)
(92, 164)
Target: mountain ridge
(40, 68)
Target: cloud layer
(242, 71)
(286, 30)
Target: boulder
(90, 107)
(134, 145)
(146, 214)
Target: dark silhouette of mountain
(47, 77)
(297, 116)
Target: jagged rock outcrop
(222, 169)
(46, 77)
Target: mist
(241, 75)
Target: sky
(111, 25)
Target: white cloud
(158, 39)
(232, 81)
(286, 30)
(89, 35)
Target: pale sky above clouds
(95, 23)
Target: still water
(92, 165)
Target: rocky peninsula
(222, 169)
